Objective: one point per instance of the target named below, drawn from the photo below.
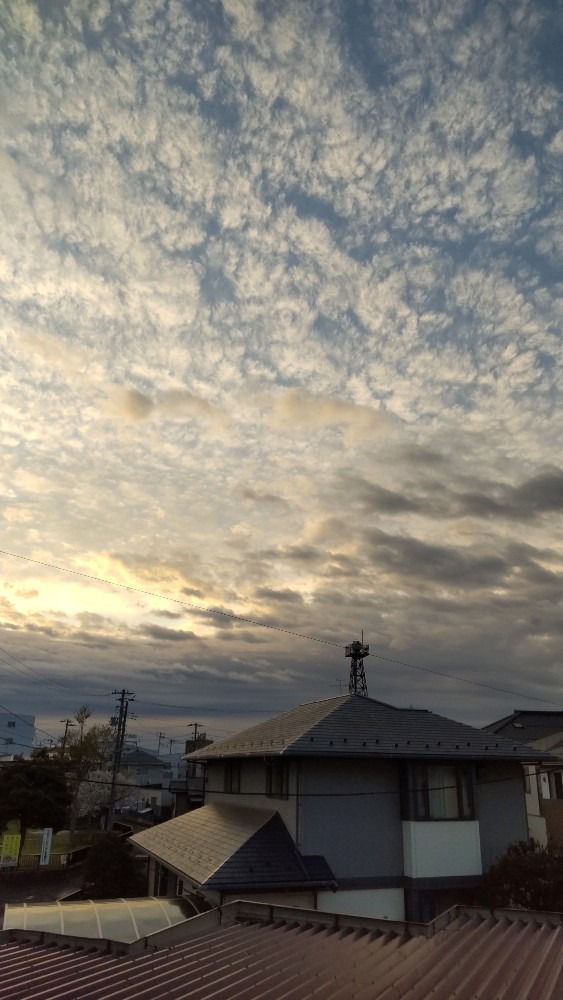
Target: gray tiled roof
(226, 847)
(353, 726)
(527, 726)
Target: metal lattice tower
(357, 652)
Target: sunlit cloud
(281, 338)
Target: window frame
(277, 779)
(417, 804)
(231, 777)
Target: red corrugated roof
(506, 957)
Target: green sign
(10, 850)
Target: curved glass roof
(124, 920)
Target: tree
(82, 715)
(110, 870)
(81, 753)
(94, 792)
(35, 793)
(85, 751)
(527, 876)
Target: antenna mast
(357, 652)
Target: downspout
(297, 805)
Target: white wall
(441, 848)
(20, 730)
(387, 904)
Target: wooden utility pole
(124, 698)
(68, 723)
(195, 726)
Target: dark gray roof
(353, 726)
(527, 725)
(135, 758)
(227, 847)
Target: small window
(556, 785)
(440, 791)
(277, 779)
(232, 776)
(11, 725)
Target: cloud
(130, 404)
(174, 404)
(295, 408)
(309, 268)
(161, 634)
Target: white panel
(387, 904)
(537, 829)
(442, 848)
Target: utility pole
(124, 698)
(161, 736)
(68, 723)
(195, 726)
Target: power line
(173, 600)
(16, 716)
(320, 795)
(276, 628)
(37, 678)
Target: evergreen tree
(527, 876)
(35, 793)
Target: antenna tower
(357, 652)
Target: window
(556, 785)
(232, 776)
(277, 779)
(439, 791)
(11, 725)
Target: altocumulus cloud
(281, 335)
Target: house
(17, 733)
(544, 784)
(150, 777)
(252, 951)
(347, 805)
(187, 791)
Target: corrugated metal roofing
(226, 846)
(353, 726)
(297, 959)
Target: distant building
(544, 784)
(17, 734)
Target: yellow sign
(10, 850)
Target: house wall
(359, 835)
(537, 829)
(387, 904)
(438, 848)
(553, 812)
(304, 899)
(253, 790)
(500, 808)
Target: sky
(281, 297)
